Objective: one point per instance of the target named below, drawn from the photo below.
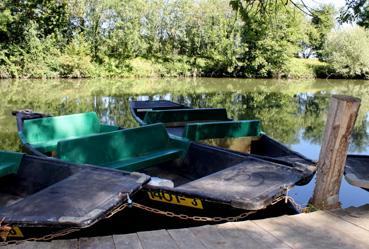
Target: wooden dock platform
(343, 228)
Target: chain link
(156, 211)
(118, 209)
(61, 233)
(194, 218)
(47, 237)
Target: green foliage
(305, 69)
(271, 39)
(34, 58)
(51, 17)
(156, 38)
(320, 25)
(355, 10)
(76, 61)
(347, 52)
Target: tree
(265, 7)
(355, 11)
(272, 39)
(347, 51)
(322, 23)
(51, 17)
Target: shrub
(76, 61)
(347, 52)
(305, 69)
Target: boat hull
(263, 147)
(357, 171)
(133, 219)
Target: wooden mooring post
(342, 114)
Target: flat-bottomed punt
(43, 196)
(212, 126)
(188, 178)
(194, 178)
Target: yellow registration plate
(15, 232)
(175, 199)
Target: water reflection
(291, 112)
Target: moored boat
(43, 198)
(187, 178)
(201, 179)
(357, 171)
(213, 126)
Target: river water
(293, 112)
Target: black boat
(212, 126)
(357, 171)
(42, 197)
(187, 178)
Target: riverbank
(66, 66)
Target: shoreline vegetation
(176, 38)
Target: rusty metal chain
(118, 209)
(156, 211)
(47, 237)
(287, 198)
(61, 233)
(194, 218)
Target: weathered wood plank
(316, 230)
(342, 114)
(159, 239)
(356, 216)
(297, 235)
(210, 237)
(127, 241)
(263, 238)
(185, 239)
(55, 244)
(24, 245)
(352, 233)
(252, 183)
(331, 229)
(237, 238)
(105, 242)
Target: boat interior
(32, 176)
(53, 192)
(184, 166)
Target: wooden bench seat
(129, 149)
(224, 129)
(43, 134)
(185, 115)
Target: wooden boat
(44, 196)
(357, 171)
(212, 126)
(186, 178)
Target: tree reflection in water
(290, 112)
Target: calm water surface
(293, 112)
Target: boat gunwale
(351, 176)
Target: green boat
(212, 126)
(43, 198)
(195, 180)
